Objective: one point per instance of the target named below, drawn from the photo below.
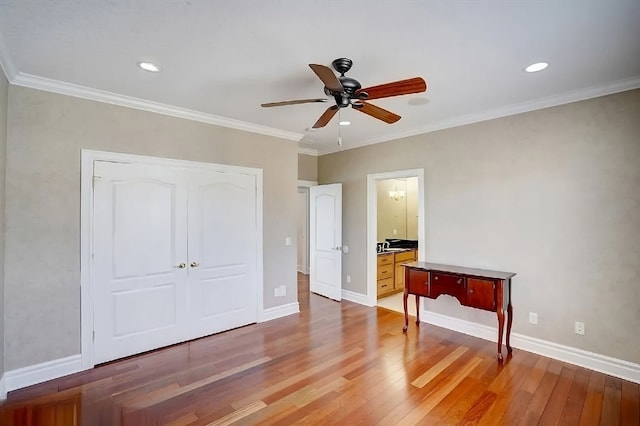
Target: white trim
(519, 108)
(307, 151)
(6, 63)
(354, 297)
(3, 389)
(70, 89)
(279, 312)
(307, 183)
(38, 373)
(372, 224)
(604, 364)
(88, 157)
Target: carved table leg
(417, 310)
(406, 313)
(509, 320)
(500, 312)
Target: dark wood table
(476, 288)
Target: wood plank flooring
(334, 363)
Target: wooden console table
(477, 288)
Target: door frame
(372, 224)
(305, 185)
(88, 157)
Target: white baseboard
(593, 361)
(356, 297)
(33, 374)
(280, 311)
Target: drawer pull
(460, 281)
(470, 290)
(383, 286)
(435, 278)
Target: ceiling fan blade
(327, 76)
(294, 102)
(397, 88)
(326, 117)
(377, 112)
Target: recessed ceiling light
(344, 123)
(148, 66)
(538, 66)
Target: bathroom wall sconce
(396, 195)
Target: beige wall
(46, 133)
(552, 195)
(307, 167)
(4, 88)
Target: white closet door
(222, 251)
(140, 242)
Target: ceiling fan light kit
(347, 91)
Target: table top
(484, 273)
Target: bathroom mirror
(397, 209)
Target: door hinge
(94, 335)
(93, 181)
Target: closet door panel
(222, 251)
(140, 295)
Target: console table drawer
(453, 285)
(438, 278)
(418, 282)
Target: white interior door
(222, 252)
(140, 255)
(325, 223)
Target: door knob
(194, 264)
(182, 265)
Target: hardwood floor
(334, 363)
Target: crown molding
(69, 89)
(519, 108)
(5, 61)
(307, 151)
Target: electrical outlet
(348, 278)
(533, 318)
(580, 328)
(283, 290)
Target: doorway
(393, 184)
(302, 227)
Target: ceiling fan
(347, 91)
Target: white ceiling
(222, 59)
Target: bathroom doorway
(395, 221)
